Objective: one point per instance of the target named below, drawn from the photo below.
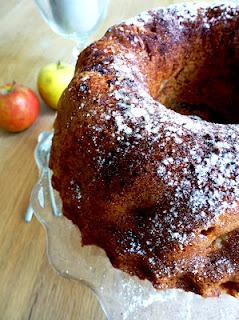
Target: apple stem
(13, 85)
(59, 66)
(9, 88)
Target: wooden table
(29, 289)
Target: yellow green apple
(52, 81)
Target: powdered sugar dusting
(208, 165)
(195, 163)
(209, 176)
(204, 173)
(186, 12)
(140, 20)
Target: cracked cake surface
(145, 154)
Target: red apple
(19, 107)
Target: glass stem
(79, 47)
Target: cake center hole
(204, 83)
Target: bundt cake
(145, 153)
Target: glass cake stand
(122, 297)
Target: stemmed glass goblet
(74, 19)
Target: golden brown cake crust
(158, 190)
